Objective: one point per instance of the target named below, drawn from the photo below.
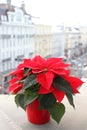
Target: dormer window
(18, 16)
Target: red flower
(18, 74)
(15, 88)
(59, 95)
(45, 70)
(74, 83)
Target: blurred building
(58, 41)
(72, 39)
(83, 30)
(20, 38)
(43, 40)
(16, 37)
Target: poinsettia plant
(49, 80)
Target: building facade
(58, 41)
(43, 40)
(72, 40)
(16, 37)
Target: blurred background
(48, 28)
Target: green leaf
(19, 100)
(29, 97)
(29, 81)
(46, 101)
(22, 80)
(30, 94)
(62, 85)
(70, 99)
(57, 111)
(26, 70)
(33, 88)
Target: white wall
(16, 40)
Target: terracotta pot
(35, 115)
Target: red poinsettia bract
(45, 70)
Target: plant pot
(35, 115)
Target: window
(18, 16)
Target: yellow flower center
(45, 69)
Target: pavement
(13, 118)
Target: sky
(55, 12)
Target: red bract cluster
(45, 70)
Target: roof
(5, 7)
(3, 11)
